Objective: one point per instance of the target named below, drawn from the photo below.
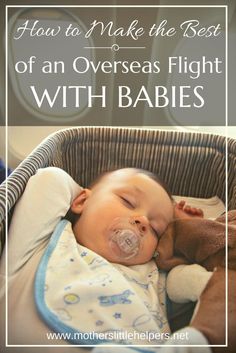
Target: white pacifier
(124, 238)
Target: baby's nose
(142, 223)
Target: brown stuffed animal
(210, 316)
(202, 241)
(198, 240)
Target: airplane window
(54, 70)
(192, 57)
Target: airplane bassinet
(192, 164)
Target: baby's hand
(186, 211)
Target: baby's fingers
(181, 204)
(193, 211)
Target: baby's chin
(130, 262)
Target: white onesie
(80, 293)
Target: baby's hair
(151, 175)
(157, 179)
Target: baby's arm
(46, 199)
(186, 282)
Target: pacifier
(124, 238)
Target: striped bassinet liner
(192, 164)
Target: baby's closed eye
(127, 201)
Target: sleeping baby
(96, 279)
(102, 277)
(117, 223)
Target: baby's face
(122, 197)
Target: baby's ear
(78, 203)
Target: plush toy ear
(78, 203)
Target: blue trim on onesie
(39, 288)
(39, 285)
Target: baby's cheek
(150, 251)
(154, 249)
